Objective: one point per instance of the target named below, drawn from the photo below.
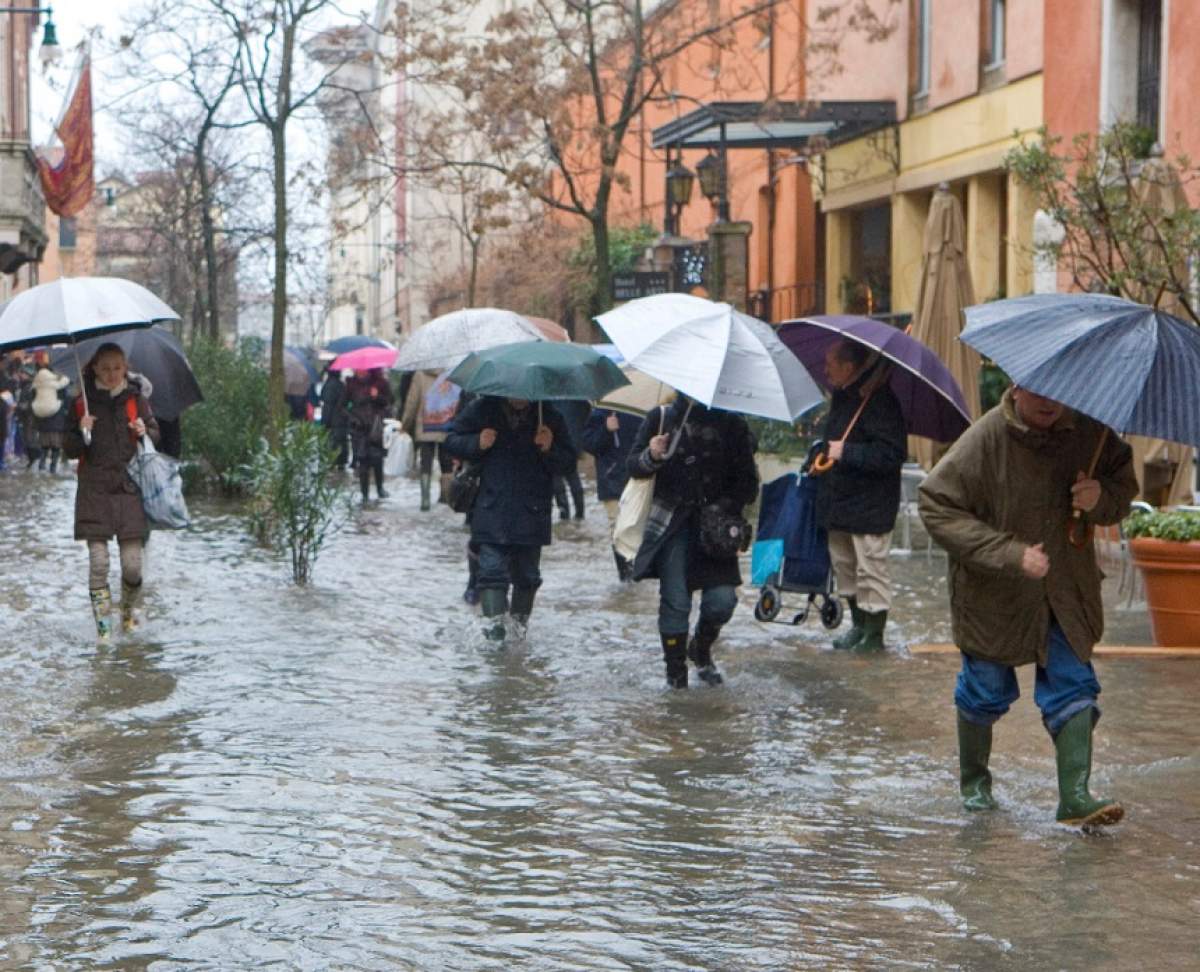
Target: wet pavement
(344, 777)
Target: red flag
(68, 184)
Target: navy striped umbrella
(1132, 367)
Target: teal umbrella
(539, 371)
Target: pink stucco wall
(954, 68)
(860, 69)
(1180, 132)
(1071, 92)
(1024, 35)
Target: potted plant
(1166, 549)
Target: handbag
(635, 503)
(158, 480)
(464, 487)
(723, 534)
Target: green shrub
(221, 434)
(1180, 525)
(297, 500)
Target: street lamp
(711, 173)
(679, 191)
(49, 53)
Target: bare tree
(179, 54)
(554, 88)
(278, 85)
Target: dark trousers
(365, 465)
(339, 440)
(426, 452)
(561, 483)
(504, 564)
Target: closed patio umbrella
(945, 290)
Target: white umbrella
(445, 341)
(712, 353)
(72, 308)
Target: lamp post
(49, 53)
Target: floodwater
(344, 777)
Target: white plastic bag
(399, 452)
(157, 479)
(636, 500)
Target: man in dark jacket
(700, 457)
(608, 436)
(518, 458)
(574, 414)
(859, 496)
(334, 418)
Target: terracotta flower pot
(1171, 570)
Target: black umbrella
(154, 352)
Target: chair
(911, 476)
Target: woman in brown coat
(107, 502)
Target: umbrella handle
(821, 464)
(85, 433)
(1079, 532)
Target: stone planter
(1171, 570)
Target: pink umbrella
(364, 359)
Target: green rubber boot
(493, 601)
(974, 778)
(873, 625)
(426, 489)
(1076, 806)
(102, 611)
(855, 634)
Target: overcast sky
(74, 19)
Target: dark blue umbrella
(352, 342)
(1132, 367)
(930, 398)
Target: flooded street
(344, 777)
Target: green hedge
(222, 433)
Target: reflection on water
(344, 777)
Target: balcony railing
(787, 303)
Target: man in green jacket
(1002, 502)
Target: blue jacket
(517, 478)
(611, 450)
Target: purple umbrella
(930, 398)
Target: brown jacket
(107, 503)
(414, 406)
(1003, 487)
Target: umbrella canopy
(944, 291)
(550, 330)
(73, 308)
(929, 396)
(1165, 470)
(445, 341)
(364, 359)
(638, 397)
(154, 352)
(299, 375)
(352, 342)
(539, 371)
(713, 354)
(1134, 368)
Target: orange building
(1128, 60)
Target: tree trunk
(602, 295)
(279, 295)
(474, 244)
(209, 233)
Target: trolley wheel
(831, 613)
(768, 605)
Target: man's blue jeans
(500, 565)
(985, 689)
(674, 598)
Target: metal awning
(773, 125)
